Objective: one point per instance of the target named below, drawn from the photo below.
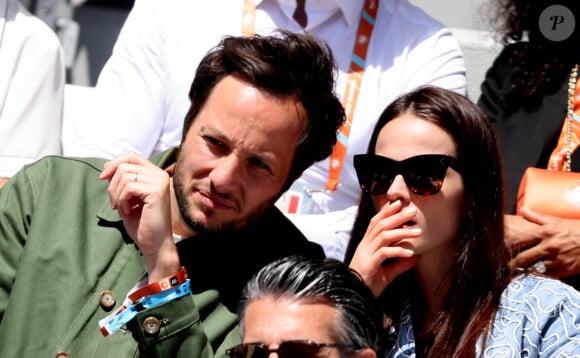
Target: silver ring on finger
(539, 266)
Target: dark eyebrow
(252, 155)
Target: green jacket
(61, 247)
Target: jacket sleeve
(492, 86)
(177, 329)
(16, 209)
(560, 333)
(171, 330)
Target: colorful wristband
(159, 286)
(114, 322)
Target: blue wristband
(110, 326)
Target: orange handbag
(550, 192)
(556, 190)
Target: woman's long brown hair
(481, 272)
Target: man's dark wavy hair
(284, 64)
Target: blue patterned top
(537, 317)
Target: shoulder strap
(561, 157)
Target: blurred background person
(32, 77)
(525, 95)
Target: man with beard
(77, 234)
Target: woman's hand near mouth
(388, 227)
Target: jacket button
(62, 355)
(107, 300)
(151, 325)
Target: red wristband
(159, 286)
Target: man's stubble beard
(185, 204)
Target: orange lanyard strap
(561, 157)
(352, 89)
(353, 83)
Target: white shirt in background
(32, 78)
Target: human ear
(366, 353)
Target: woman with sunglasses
(428, 239)
(299, 307)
